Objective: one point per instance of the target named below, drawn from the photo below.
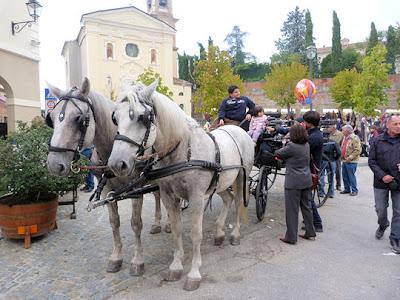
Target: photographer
(384, 161)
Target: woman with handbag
(298, 184)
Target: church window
(181, 94)
(110, 51)
(182, 106)
(153, 54)
(163, 3)
(148, 4)
(132, 50)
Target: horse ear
(55, 91)
(85, 89)
(148, 91)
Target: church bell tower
(162, 10)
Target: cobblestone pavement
(70, 262)
(345, 262)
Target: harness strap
(217, 172)
(120, 137)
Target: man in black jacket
(233, 109)
(316, 141)
(384, 161)
(331, 154)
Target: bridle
(147, 118)
(83, 125)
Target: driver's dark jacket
(235, 109)
(316, 141)
(384, 155)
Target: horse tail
(242, 194)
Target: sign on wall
(49, 101)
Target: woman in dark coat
(298, 184)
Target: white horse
(148, 119)
(67, 119)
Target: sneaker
(395, 245)
(380, 232)
(353, 194)
(344, 192)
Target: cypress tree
(336, 44)
(373, 38)
(309, 29)
(391, 46)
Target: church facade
(117, 45)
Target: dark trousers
(338, 173)
(381, 205)
(295, 199)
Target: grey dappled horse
(148, 119)
(100, 133)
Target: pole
(311, 80)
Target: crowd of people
(340, 144)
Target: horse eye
(114, 119)
(78, 118)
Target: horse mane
(173, 123)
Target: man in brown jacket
(351, 150)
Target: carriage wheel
(321, 193)
(262, 192)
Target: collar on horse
(84, 122)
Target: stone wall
(323, 100)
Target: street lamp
(34, 10)
(311, 52)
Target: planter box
(28, 220)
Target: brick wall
(323, 99)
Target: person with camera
(384, 161)
(233, 109)
(298, 184)
(337, 136)
(331, 153)
(351, 150)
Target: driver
(233, 109)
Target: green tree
(148, 76)
(202, 51)
(285, 58)
(373, 38)
(336, 45)
(186, 67)
(252, 71)
(392, 48)
(309, 29)
(369, 93)
(326, 67)
(342, 88)
(235, 40)
(280, 84)
(213, 76)
(350, 59)
(293, 33)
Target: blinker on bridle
(83, 125)
(147, 118)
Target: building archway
(6, 93)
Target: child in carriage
(258, 123)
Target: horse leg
(115, 259)
(227, 198)
(176, 268)
(137, 263)
(194, 277)
(238, 191)
(156, 227)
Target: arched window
(153, 54)
(180, 93)
(110, 51)
(182, 106)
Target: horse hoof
(235, 240)
(167, 228)
(219, 240)
(174, 275)
(191, 284)
(155, 229)
(136, 270)
(114, 266)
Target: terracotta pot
(28, 220)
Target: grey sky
(262, 20)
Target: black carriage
(267, 169)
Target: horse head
(73, 121)
(135, 117)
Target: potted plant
(28, 193)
